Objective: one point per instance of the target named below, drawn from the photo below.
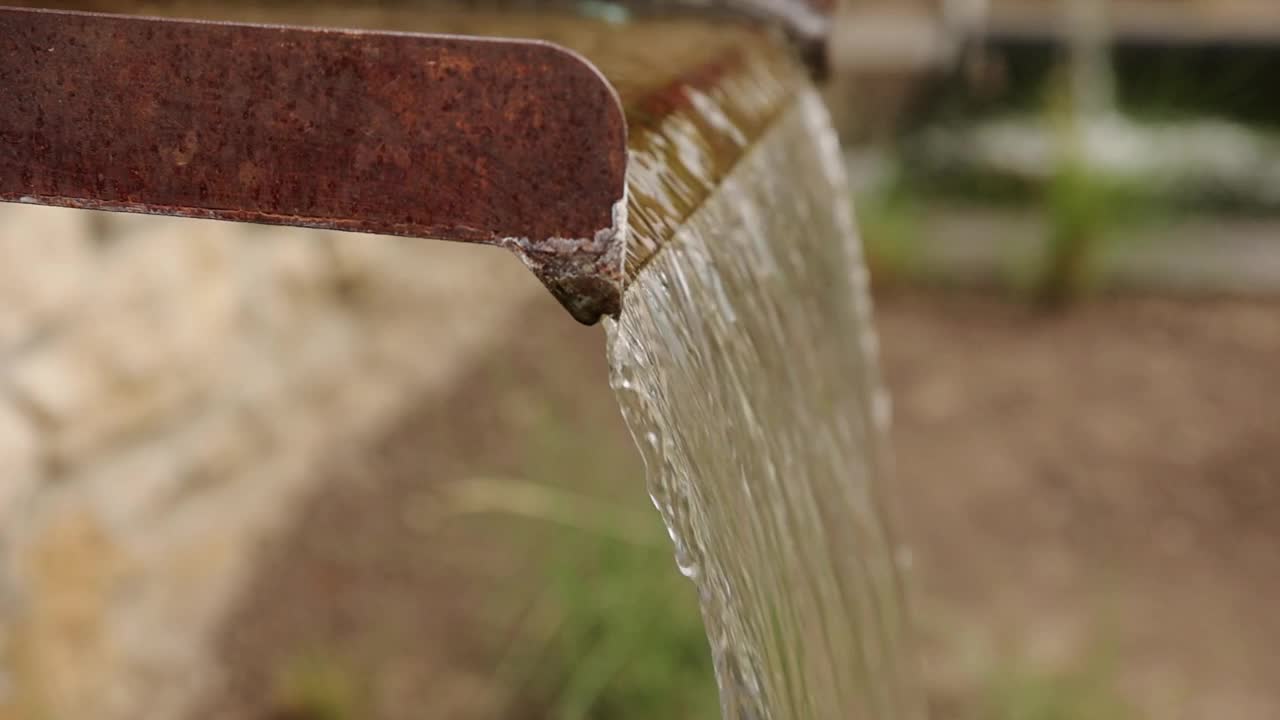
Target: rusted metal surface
(507, 142)
(512, 143)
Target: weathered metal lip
(517, 143)
(525, 144)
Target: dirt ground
(1105, 481)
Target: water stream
(745, 364)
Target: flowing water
(745, 364)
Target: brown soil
(1109, 477)
(1107, 480)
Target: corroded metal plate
(517, 143)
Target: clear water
(745, 364)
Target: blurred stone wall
(168, 387)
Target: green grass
(1081, 209)
(615, 632)
(889, 223)
(1079, 204)
(628, 642)
(1085, 692)
(316, 686)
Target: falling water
(745, 364)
